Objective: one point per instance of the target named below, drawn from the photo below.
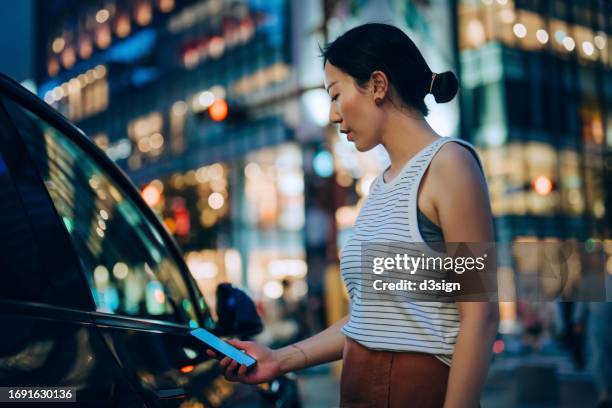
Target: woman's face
(354, 109)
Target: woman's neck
(405, 134)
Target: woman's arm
(463, 208)
(472, 353)
(321, 348)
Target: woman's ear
(379, 85)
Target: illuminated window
(472, 32)
(122, 25)
(585, 44)
(532, 22)
(165, 6)
(274, 188)
(572, 201)
(560, 36)
(85, 46)
(506, 176)
(592, 123)
(52, 67)
(81, 96)
(267, 76)
(103, 36)
(594, 185)
(68, 57)
(146, 133)
(277, 273)
(177, 115)
(143, 12)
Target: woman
(377, 80)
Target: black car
(94, 293)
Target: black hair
(382, 47)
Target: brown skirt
(377, 379)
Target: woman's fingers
(232, 367)
(229, 368)
(231, 374)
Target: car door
(48, 336)
(144, 303)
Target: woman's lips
(348, 134)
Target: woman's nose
(334, 116)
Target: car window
(129, 269)
(33, 265)
(23, 277)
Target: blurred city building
(535, 79)
(186, 96)
(216, 109)
(535, 96)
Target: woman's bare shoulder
(453, 161)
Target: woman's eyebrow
(330, 85)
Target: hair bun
(444, 87)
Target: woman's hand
(266, 369)
(321, 348)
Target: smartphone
(223, 347)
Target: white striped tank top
(389, 214)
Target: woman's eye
(335, 97)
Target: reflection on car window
(129, 269)
(20, 260)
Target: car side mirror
(236, 311)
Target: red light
(151, 195)
(218, 110)
(498, 346)
(187, 369)
(542, 185)
(181, 219)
